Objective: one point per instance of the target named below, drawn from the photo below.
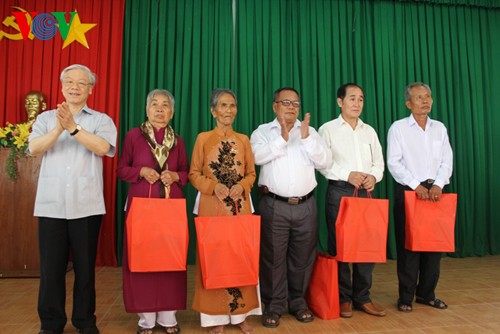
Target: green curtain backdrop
(256, 46)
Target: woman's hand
(149, 174)
(236, 191)
(168, 177)
(221, 191)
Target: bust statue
(34, 104)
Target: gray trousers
(287, 252)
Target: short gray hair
(164, 92)
(217, 93)
(92, 76)
(412, 85)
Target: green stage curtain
(315, 46)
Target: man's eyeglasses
(70, 83)
(286, 103)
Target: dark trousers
(56, 237)
(357, 291)
(413, 267)
(288, 249)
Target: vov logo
(44, 26)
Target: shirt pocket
(366, 153)
(437, 150)
(88, 191)
(48, 190)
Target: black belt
(341, 184)
(291, 200)
(427, 183)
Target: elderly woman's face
(226, 110)
(159, 111)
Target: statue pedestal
(18, 228)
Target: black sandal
(172, 330)
(436, 303)
(304, 315)
(271, 319)
(142, 330)
(403, 307)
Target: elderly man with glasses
(288, 151)
(72, 140)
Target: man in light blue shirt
(70, 203)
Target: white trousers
(163, 318)
(208, 320)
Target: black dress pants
(418, 272)
(56, 237)
(356, 291)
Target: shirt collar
(413, 122)
(276, 124)
(342, 121)
(87, 110)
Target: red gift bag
(228, 249)
(323, 293)
(430, 226)
(157, 234)
(361, 229)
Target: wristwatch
(78, 128)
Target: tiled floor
(470, 286)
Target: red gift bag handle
(355, 193)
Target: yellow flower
(15, 137)
(4, 132)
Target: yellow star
(77, 32)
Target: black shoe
(90, 330)
(49, 331)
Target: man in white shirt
(357, 164)
(288, 152)
(420, 158)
